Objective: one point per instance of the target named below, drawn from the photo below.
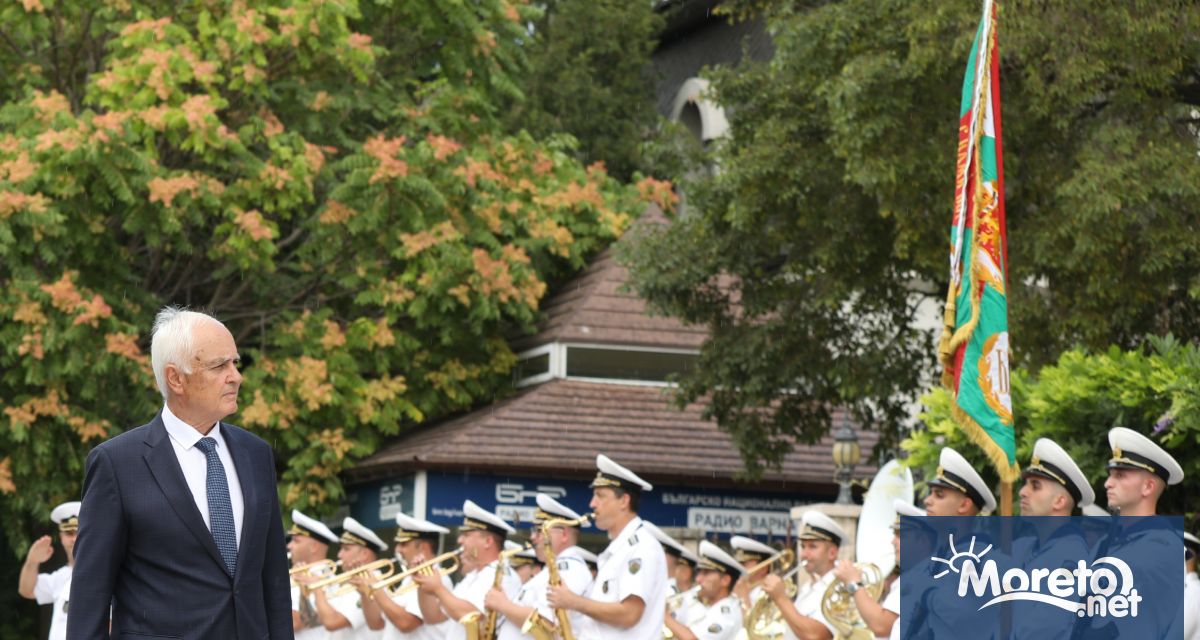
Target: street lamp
(846, 454)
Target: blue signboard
(375, 504)
(714, 511)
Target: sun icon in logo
(957, 558)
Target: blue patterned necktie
(220, 509)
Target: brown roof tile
(561, 425)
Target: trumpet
(785, 559)
(325, 566)
(392, 583)
(387, 566)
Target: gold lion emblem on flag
(994, 378)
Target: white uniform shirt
(576, 576)
(632, 565)
(411, 603)
(891, 602)
(808, 603)
(315, 632)
(1191, 607)
(722, 621)
(350, 607)
(55, 588)
(474, 587)
(690, 608)
(194, 464)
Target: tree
(332, 181)
(590, 77)
(825, 222)
(1076, 400)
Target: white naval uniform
(808, 603)
(690, 608)
(632, 565)
(312, 633)
(55, 588)
(576, 576)
(1191, 607)
(891, 602)
(350, 607)
(411, 603)
(474, 587)
(722, 621)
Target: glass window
(591, 362)
(532, 366)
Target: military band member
(683, 605)
(628, 598)
(525, 564)
(52, 588)
(308, 542)
(820, 540)
(481, 538)
(722, 620)
(344, 616)
(882, 618)
(1191, 588)
(958, 489)
(1138, 473)
(416, 541)
(569, 563)
(1054, 484)
(591, 560)
(750, 553)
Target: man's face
(67, 539)
(683, 573)
(1127, 487)
(943, 501)
(409, 551)
(712, 584)
(211, 389)
(353, 555)
(304, 550)
(607, 506)
(525, 572)
(818, 555)
(757, 576)
(474, 544)
(1039, 496)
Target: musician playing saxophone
(569, 564)
(717, 573)
(416, 542)
(820, 540)
(481, 537)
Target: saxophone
(478, 626)
(536, 624)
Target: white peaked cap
(956, 473)
(612, 474)
(1052, 461)
(588, 556)
(818, 526)
(410, 527)
(311, 527)
(745, 548)
(354, 532)
(714, 557)
(65, 511)
(555, 509)
(478, 518)
(1095, 510)
(509, 545)
(1132, 450)
(669, 544)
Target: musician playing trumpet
(339, 608)
(308, 543)
(683, 601)
(481, 537)
(820, 540)
(416, 541)
(717, 573)
(568, 562)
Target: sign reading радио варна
(1024, 578)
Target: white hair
(171, 342)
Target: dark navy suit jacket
(143, 547)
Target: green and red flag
(974, 344)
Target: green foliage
(330, 178)
(807, 251)
(1077, 400)
(590, 76)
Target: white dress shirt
(194, 464)
(1191, 607)
(808, 603)
(892, 603)
(573, 570)
(721, 621)
(474, 588)
(410, 602)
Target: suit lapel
(164, 465)
(235, 439)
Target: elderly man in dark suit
(182, 532)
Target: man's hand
(495, 599)
(428, 582)
(40, 551)
(774, 587)
(561, 597)
(363, 582)
(847, 572)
